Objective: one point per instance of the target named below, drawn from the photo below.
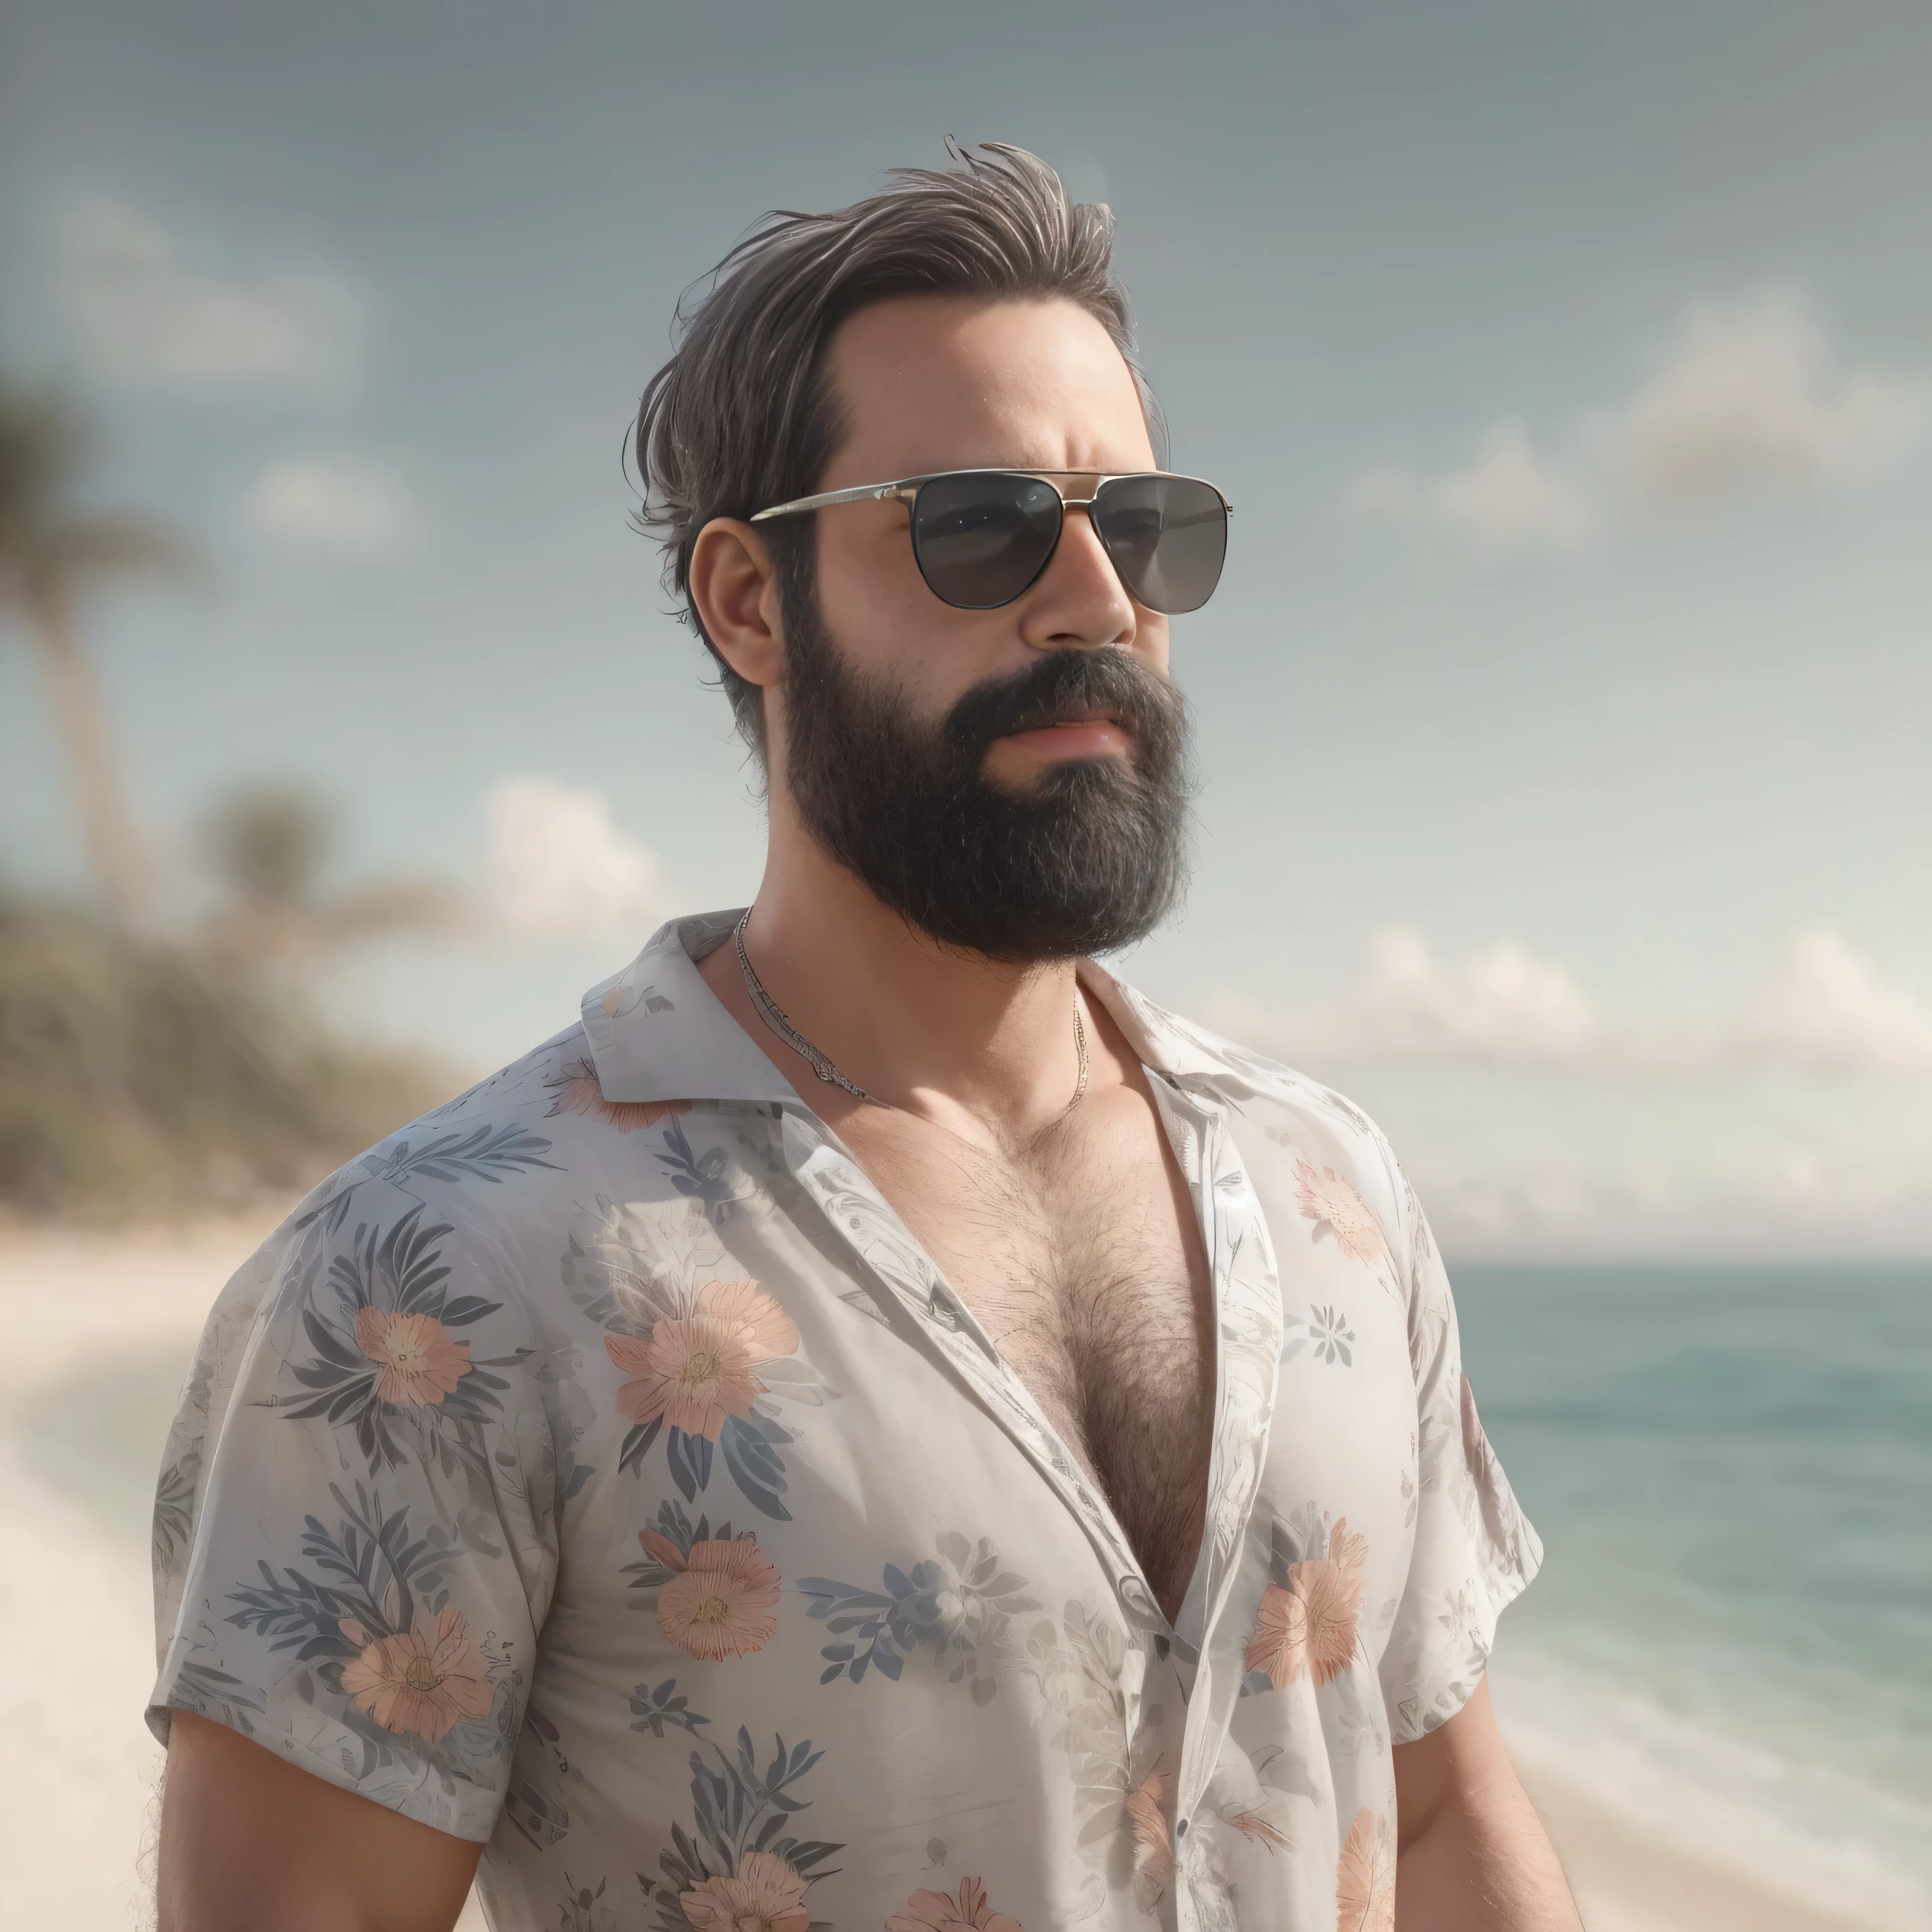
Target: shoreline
(80, 1772)
(1625, 1881)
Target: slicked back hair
(743, 415)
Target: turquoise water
(1731, 1469)
(1731, 1472)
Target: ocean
(1730, 1643)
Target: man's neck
(984, 1049)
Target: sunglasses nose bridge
(1102, 554)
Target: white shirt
(598, 1468)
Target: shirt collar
(658, 1032)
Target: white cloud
(1508, 497)
(1503, 1006)
(344, 504)
(559, 867)
(1826, 1010)
(1796, 1202)
(143, 314)
(1746, 398)
(1725, 1138)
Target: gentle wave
(1809, 1829)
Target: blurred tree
(134, 1082)
(51, 549)
(267, 845)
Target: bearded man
(879, 1425)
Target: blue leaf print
(737, 1809)
(754, 1466)
(689, 1457)
(485, 1153)
(656, 1710)
(701, 1176)
(961, 1604)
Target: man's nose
(1079, 603)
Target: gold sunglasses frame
(905, 489)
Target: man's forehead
(943, 383)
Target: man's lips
(1095, 733)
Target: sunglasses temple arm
(867, 493)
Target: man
(880, 1427)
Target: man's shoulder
(492, 1130)
(472, 1168)
(417, 1236)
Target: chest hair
(1083, 1263)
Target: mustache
(1064, 684)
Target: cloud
(1825, 1010)
(343, 504)
(1507, 498)
(558, 867)
(1504, 1005)
(1712, 1138)
(1782, 1204)
(1747, 398)
(143, 314)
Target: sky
(1562, 714)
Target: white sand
(79, 1775)
(79, 1772)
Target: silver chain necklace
(773, 1015)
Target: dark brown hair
(742, 416)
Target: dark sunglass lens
(981, 540)
(1168, 536)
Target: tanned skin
(249, 1842)
(1070, 1235)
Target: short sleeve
(355, 1536)
(1474, 1550)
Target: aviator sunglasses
(981, 537)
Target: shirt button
(1180, 1828)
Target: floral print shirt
(599, 1469)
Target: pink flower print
(423, 1680)
(416, 1361)
(717, 1603)
(1347, 1547)
(1308, 1627)
(767, 1895)
(1336, 1209)
(579, 1091)
(1365, 1877)
(936, 1912)
(697, 1373)
(1153, 1838)
(765, 1327)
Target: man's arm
(1471, 1854)
(249, 1840)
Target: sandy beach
(79, 1773)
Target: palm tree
(51, 551)
(267, 844)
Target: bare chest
(1085, 1267)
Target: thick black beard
(1092, 858)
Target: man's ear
(735, 591)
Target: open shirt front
(598, 1468)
